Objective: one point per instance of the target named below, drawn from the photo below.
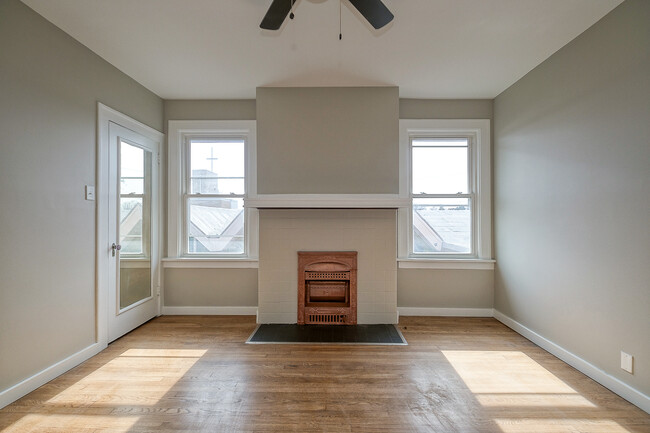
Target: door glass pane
(135, 224)
(131, 226)
(442, 225)
(216, 225)
(440, 166)
(131, 185)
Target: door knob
(115, 247)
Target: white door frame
(105, 115)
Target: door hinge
(158, 158)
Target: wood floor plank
(195, 374)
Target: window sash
(187, 156)
(449, 240)
(186, 229)
(470, 195)
(187, 195)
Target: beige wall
(445, 108)
(426, 288)
(209, 109)
(445, 288)
(210, 287)
(572, 196)
(327, 140)
(49, 86)
(245, 109)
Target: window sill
(209, 262)
(412, 263)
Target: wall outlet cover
(627, 362)
(90, 192)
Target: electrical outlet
(627, 362)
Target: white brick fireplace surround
(370, 232)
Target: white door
(132, 230)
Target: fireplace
(327, 287)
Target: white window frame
(180, 133)
(478, 133)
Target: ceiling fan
(374, 11)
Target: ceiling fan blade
(276, 14)
(374, 11)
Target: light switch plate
(627, 362)
(90, 192)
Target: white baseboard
(209, 311)
(445, 312)
(42, 377)
(615, 385)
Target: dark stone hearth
(343, 334)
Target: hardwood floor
(195, 374)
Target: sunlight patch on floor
(559, 426)
(53, 422)
(138, 377)
(533, 400)
(504, 372)
(504, 381)
(164, 353)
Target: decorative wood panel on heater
(327, 287)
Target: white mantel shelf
(325, 201)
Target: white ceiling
(214, 49)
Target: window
(442, 198)
(211, 173)
(445, 173)
(214, 196)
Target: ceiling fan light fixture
(374, 11)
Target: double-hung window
(213, 199)
(442, 195)
(211, 173)
(446, 177)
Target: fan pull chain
(291, 15)
(340, 31)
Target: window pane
(215, 185)
(131, 225)
(216, 225)
(215, 163)
(440, 169)
(442, 226)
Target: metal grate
(324, 319)
(327, 275)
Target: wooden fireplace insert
(327, 287)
